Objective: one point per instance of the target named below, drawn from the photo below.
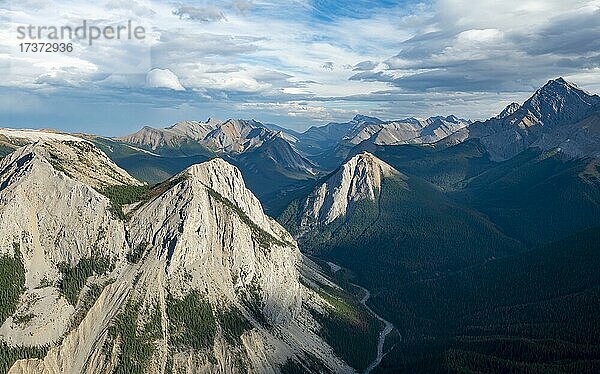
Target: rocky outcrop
(358, 179)
(559, 114)
(197, 279)
(406, 131)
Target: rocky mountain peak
(197, 247)
(79, 160)
(549, 119)
(359, 118)
(225, 179)
(210, 228)
(451, 123)
(237, 136)
(196, 130)
(153, 138)
(510, 109)
(359, 178)
(558, 102)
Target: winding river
(387, 328)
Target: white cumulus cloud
(163, 78)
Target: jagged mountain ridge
(552, 117)
(268, 159)
(233, 136)
(406, 131)
(357, 179)
(558, 115)
(202, 236)
(172, 136)
(364, 128)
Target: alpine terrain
(428, 245)
(103, 273)
(481, 248)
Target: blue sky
(294, 63)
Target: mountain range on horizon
(532, 124)
(557, 116)
(413, 245)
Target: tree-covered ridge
(135, 332)
(531, 312)
(537, 197)
(121, 195)
(74, 277)
(12, 281)
(407, 234)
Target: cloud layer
(296, 63)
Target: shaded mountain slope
(195, 277)
(532, 312)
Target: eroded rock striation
(196, 278)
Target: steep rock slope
(407, 131)
(358, 179)
(74, 156)
(559, 114)
(387, 226)
(196, 130)
(52, 222)
(199, 279)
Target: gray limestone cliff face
(201, 235)
(358, 179)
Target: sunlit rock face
(358, 179)
(195, 276)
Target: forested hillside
(531, 312)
